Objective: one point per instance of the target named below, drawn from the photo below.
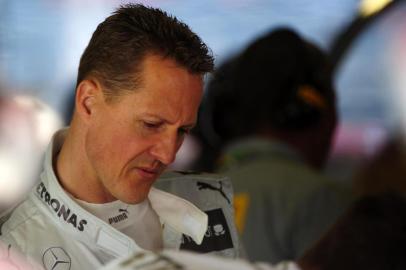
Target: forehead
(167, 88)
(160, 73)
(155, 66)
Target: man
(274, 108)
(138, 91)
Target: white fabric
(170, 259)
(50, 222)
(138, 221)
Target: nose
(165, 149)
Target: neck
(74, 171)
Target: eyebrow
(189, 126)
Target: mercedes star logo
(56, 258)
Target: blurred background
(41, 42)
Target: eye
(184, 131)
(152, 125)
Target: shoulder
(213, 194)
(23, 228)
(197, 186)
(31, 233)
(23, 214)
(189, 176)
(28, 225)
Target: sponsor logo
(216, 238)
(56, 258)
(218, 230)
(203, 185)
(120, 217)
(60, 209)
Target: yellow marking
(370, 7)
(309, 95)
(241, 203)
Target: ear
(89, 94)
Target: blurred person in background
(370, 235)
(26, 124)
(138, 90)
(18, 160)
(385, 171)
(273, 107)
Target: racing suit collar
(180, 214)
(177, 213)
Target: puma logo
(202, 185)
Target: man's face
(132, 140)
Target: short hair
(258, 88)
(119, 45)
(370, 235)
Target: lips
(150, 170)
(149, 173)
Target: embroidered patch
(217, 236)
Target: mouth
(148, 173)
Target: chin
(132, 199)
(139, 195)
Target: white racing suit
(175, 260)
(53, 232)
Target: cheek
(115, 142)
(127, 145)
(105, 146)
